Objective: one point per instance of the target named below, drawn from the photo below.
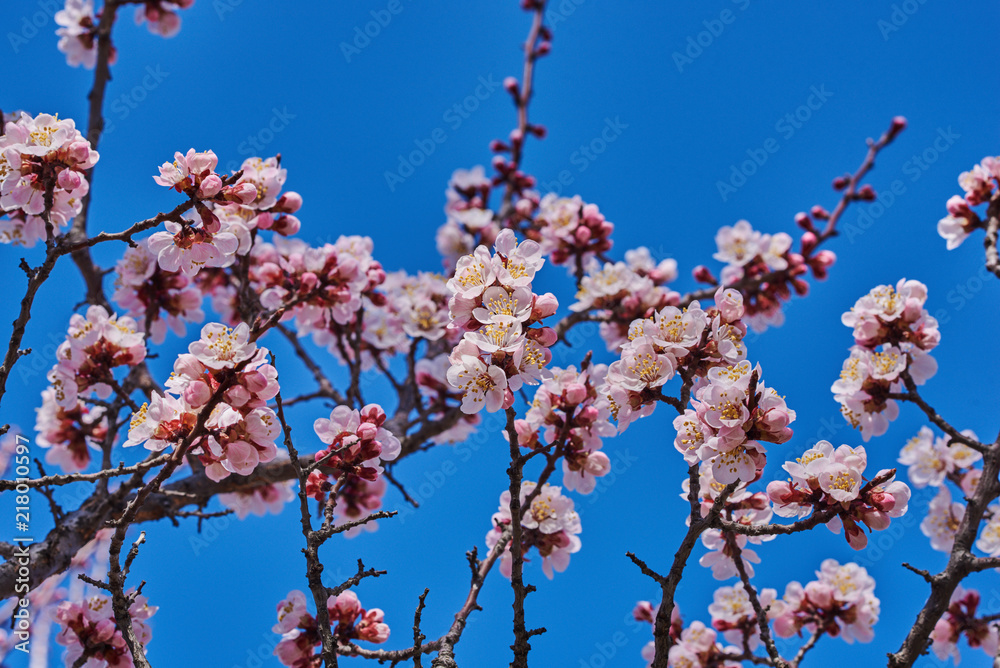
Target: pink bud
(867, 193)
(287, 225)
(197, 394)
(803, 220)
(210, 187)
(825, 258)
(808, 242)
(840, 183)
(819, 213)
(79, 152)
(373, 413)
(545, 336)
(237, 396)
(544, 306)
(703, 274)
(510, 83)
(575, 393)
(69, 179)
(582, 234)
(289, 202)
(898, 125)
(729, 303)
(244, 193)
(875, 519)
(367, 431)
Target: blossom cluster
(69, 434)
(415, 307)
(980, 186)
(503, 345)
(893, 334)
(827, 479)
(733, 614)
(38, 156)
(168, 299)
(960, 619)
(259, 500)
(300, 631)
(91, 636)
(732, 414)
(691, 647)
(357, 444)
(161, 16)
(742, 507)
(664, 340)
(751, 256)
(78, 34)
(570, 409)
(550, 524)
(570, 232)
(188, 247)
(618, 293)
(227, 373)
(841, 601)
(95, 345)
(932, 460)
(321, 289)
(469, 220)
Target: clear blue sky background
(344, 124)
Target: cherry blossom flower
(39, 154)
(550, 524)
(91, 636)
(827, 479)
(187, 249)
(942, 520)
(357, 445)
(841, 601)
(734, 616)
(161, 16)
(142, 287)
(931, 459)
(240, 431)
(95, 345)
(260, 500)
(78, 34)
(69, 434)
(300, 632)
(960, 619)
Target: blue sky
(242, 73)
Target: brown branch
(960, 563)
(765, 630)
(912, 394)
(750, 286)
